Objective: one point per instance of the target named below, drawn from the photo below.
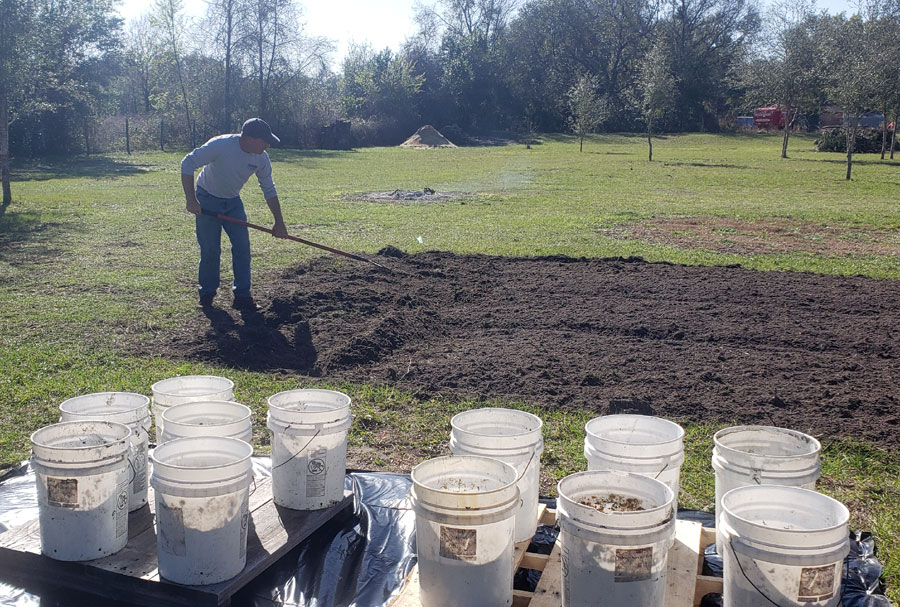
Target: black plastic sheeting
(361, 557)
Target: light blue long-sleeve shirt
(226, 167)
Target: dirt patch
(427, 137)
(612, 502)
(771, 235)
(711, 344)
(425, 195)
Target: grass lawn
(96, 251)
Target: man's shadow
(261, 341)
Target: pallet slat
(133, 573)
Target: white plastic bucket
(187, 389)
(614, 556)
(762, 455)
(202, 508)
(309, 447)
(208, 418)
(645, 445)
(783, 546)
(513, 437)
(127, 408)
(465, 518)
(82, 476)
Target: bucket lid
(762, 447)
(597, 487)
(188, 388)
(628, 435)
(80, 442)
(308, 408)
(787, 517)
(123, 407)
(464, 483)
(208, 417)
(200, 466)
(496, 428)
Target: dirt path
(815, 353)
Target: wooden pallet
(131, 575)
(685, 586)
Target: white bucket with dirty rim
(82, 476)
(127, 408)
(309, 447)
(783, 546)
(762, 455)
(513, 437)
(208, 418)
(187, 389)
(465, 519)
(642, 444)
(614, 555)
(202, 508)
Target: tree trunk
(127, 138)
(4, 151)
(581, 143)
(162, 142)
(884, 130)
(787, 133)
(650, 138)
(894, 134)
(851, 143)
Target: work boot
(245, 303)
(206, 300)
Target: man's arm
(279, 230)
(193, 205)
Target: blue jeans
(209, 237)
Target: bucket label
(140, 472)
(459, 544)
(62, 492)
(121, 509)
(245, 524)
(633, 564)
(170, 526)
(316, 469)
(817, 583)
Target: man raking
(228, 161)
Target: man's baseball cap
(259, 129)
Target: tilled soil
(719, 344)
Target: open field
(98, 261)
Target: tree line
(75, 79)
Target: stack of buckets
(91, 470)
(782, 543)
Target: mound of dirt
(710, 344)
(427, 137)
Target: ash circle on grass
(423, 196)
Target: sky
(381, 23)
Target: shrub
(868, 141)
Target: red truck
(769, 117)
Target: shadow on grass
(24, 238)
(706, 165)
(843, 161)
(254, 343)
(97, 167)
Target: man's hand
(279, 230)
(193, 206)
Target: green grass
(96, 251)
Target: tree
(657, 87)
(15, 28)
(846, 57)
(224, 19)
(588, 109)
(167, 18)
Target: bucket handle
(761, 593)
(302, 449)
